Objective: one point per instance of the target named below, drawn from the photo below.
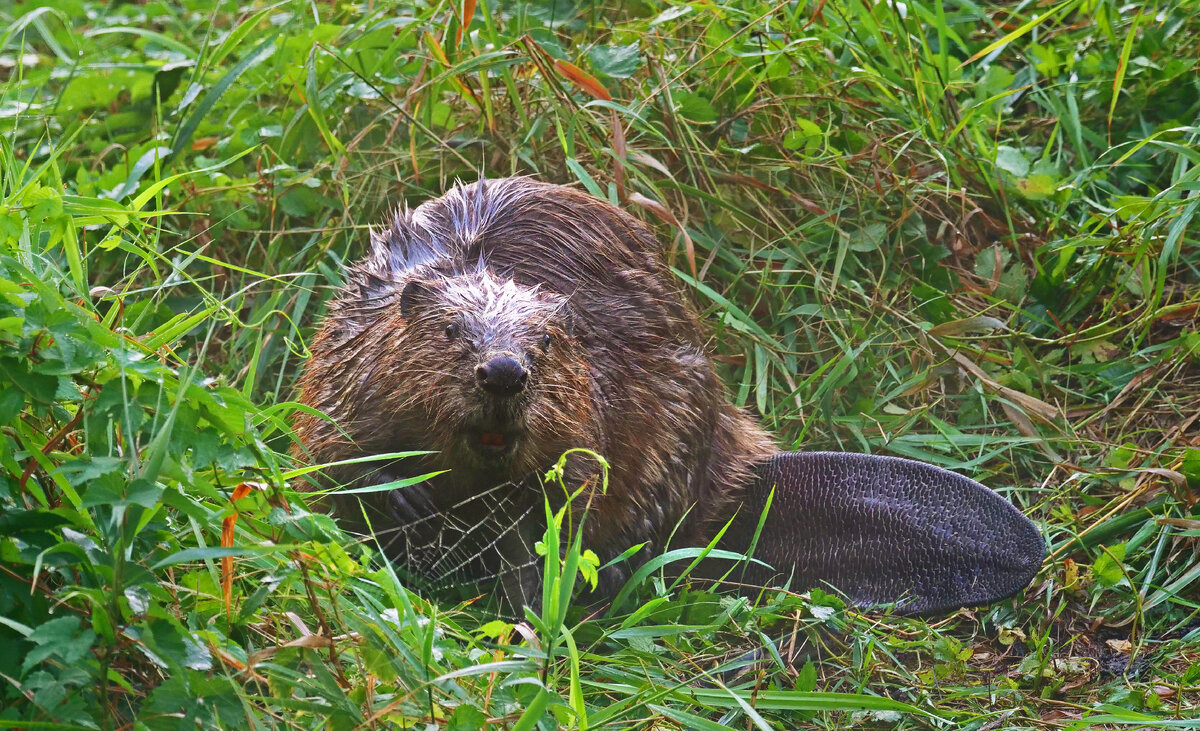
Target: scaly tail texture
(881, 530)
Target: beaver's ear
(881, 530)
(412, 294)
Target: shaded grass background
(958, 232)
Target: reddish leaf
(620, 150)
(468, 13)
(582, 79)
(227, 526)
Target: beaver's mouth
(492, 442)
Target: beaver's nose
(502, 376)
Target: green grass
(963, 233)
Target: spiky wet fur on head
(399, 382)
(490, 318)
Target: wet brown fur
(627, 374)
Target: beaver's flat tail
(881, 530)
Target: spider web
(482, 544)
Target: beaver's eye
(452, 330)
(546, 340)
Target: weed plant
(962, 232)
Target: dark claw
(410, 504)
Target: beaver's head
(492, 373)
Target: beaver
(497, 327)
(509, 321)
